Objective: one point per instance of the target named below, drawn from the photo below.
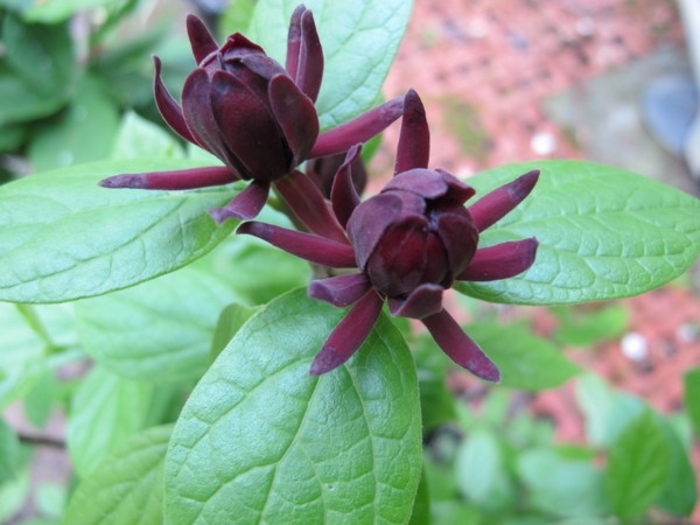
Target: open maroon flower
(253, 114)
(410, 242)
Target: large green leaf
(638, 467)
(37, 69)
(482, 473)
(126, 487)
(159, 331)
(359, 38)
(560, 486)
(106, 410)
(64, 237)
(603, 232)
(691, 396)
(679, 495)
(526, 361)
(260, 440)
(84, 133)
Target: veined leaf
(603, 232)
(359, 38)
(63, 237)
(260, 440)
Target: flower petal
(310, 69)
(424, 301)
(340, 291)
(501, 261)
(246, 205)
(359, 129)
(460, 239)
(294, 41)
(344, 196)
(296, 115)
(305, 245)
(172, 180)
(431, 184)
(249, 132)
(203, 44)
(198, 114)
(169, 109)
(306, 201)
(495, 205)
(349, 335)
(414, 141)
(398, 264)
(369, 221)
(460, 347)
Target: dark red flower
(410, 242)
(253, 114)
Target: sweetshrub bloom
(410, 243)
(253, 114)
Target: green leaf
(84, 133)
(482, 475)
(607, 411)
(159, 331)
(236, 17)
(526, 362)
(562, 487)
(436, 401)
(139, 138)
(260, 440)
(40, 400)
(421, 505)
(63, 237)
(679, 495)
(638, 467)
(604, 233)
(258, 271)
(359, 38)
(127, 486)
(231, 319)
(37, 69)
(691, 397)
(587, 325)
(106, 410)
(52, 12)
(9, 453)
(22, 356)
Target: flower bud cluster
(405, 246)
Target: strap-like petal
(197, 111)
(310, 69)
(501, 261)
(460, 347)
(169, 109)
(246, 205)
(249, 132)
(424, 301)
(349, 335)
(203, 44)
(294, 41)
(305, 245)
(360, 129)
(340, 291)
(413, 150)
(306, 201)
(495, 205)
(172, 180)
(344, 196)
(296, 115)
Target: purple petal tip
(325, 361)
(134, 181)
